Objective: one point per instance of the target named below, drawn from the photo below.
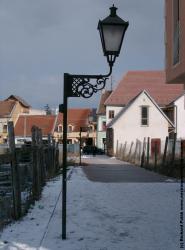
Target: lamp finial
(113, 11)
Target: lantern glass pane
(113, 37)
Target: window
(111, 114)
(70, 129)
(176, 31)
(144, 115)
(60, 128)
(103, 125)
(91, 129)
(5, 127)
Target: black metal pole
(64, 182)
(80, 145)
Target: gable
(133, 109)
(19, 99)
(6, 108)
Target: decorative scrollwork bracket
(84, 85)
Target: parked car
(88, 150)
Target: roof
(152, 81)
(6, 108)
(25, 122)
(178, 97)
(76, 117)
(124, 109)
(19, 99)
(101, 108)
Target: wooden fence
(166, 157)
(23, 173)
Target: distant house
(10, 109)
(24, 105)
(24, 124)
(139, 119)
(77, 118)
(168, 97)
(101, 120)
(36, 112)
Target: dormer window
(91, 128)
(5, 128)
(70, 128)
(60, 128)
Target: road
(106, 169)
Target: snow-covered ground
(100, 216)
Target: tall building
(175, 40)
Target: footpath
(102, 215)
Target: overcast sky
(42, 39)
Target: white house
(178, 106)
(168, 97)
(101, 121)
(139, 119)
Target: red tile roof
(76, 117)
(25, 122)
(6, 108)
(151, 81)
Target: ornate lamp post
(112, 30)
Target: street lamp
(112, 30)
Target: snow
(87, 156)
(100, 216)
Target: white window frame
(143, 118)
(111, 114)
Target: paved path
(106, 169)
(101, 216)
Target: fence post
(143, 154)
(49, 156)
(135, 152)
(39, 172)
(155, 156)
(42, 163)
(139, 154)
(117, 148)
(57, 157)
(130, 151)
(124, 150)
(35, 184)
(53, 156)
(165, 151)
(15, 173)
(148, 152)
(120, 151)
(173, 149)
